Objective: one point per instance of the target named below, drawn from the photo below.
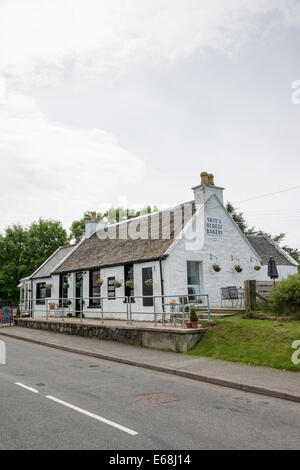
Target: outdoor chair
(224, 295)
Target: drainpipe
(162, 286)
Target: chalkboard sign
(7, 316)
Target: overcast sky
(125, 102)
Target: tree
(23, 250)
(13, 260)
(78, 227)
(112, 216)
(239, 218)
(43, 238)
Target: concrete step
(221, 311)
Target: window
(128, 276)
(63, 291)
(111, 290)
(193, 279)
(40, 293)
(147, 288)
(94, 289)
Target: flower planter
(188, 324)
(195, 324)
(117, 284)
(100, 281)
(149, 282)
(257, 268)
(216, 268)
(129, 283)
(238, 268)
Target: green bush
(285, 296)
(193, 315)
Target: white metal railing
(166, 307)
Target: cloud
(40, 39)
(50, 169)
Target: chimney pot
(93, 217)
(210, 178)
(204, 177)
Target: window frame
(92, 302)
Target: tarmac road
(76, 402)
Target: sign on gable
(214, 226)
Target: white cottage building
(165, 254)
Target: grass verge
(256, 342)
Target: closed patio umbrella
(272, 269)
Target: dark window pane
(147, 289)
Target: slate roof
(266, 248)
(94, 252)
(59, 255)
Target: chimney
(94, 224)
(206, 188)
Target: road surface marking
(92, 415)
(27, 388)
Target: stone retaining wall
(178, 341)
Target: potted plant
(129, 283)
(257, 267)
(238, 268)
(117, 284)
(216, 267)
(18, 313)
(67, 302)
(149, 282)
(100, 281)
(194, 318)
(78, 284)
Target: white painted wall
(195, 244)
(222, 248)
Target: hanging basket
(78, 284)
(100, 281)
(66, 285)
(129, 283)
(67, 302)
(149, 282)
(238, 268)
(216, 268)
(257, 267)
(117, 284)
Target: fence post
(208, 307)
(154, 309)
(127, 310)
(183, 312)
(81, 307)
(250, 295)
(101, 304)
(130, 311)
(47, 305)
